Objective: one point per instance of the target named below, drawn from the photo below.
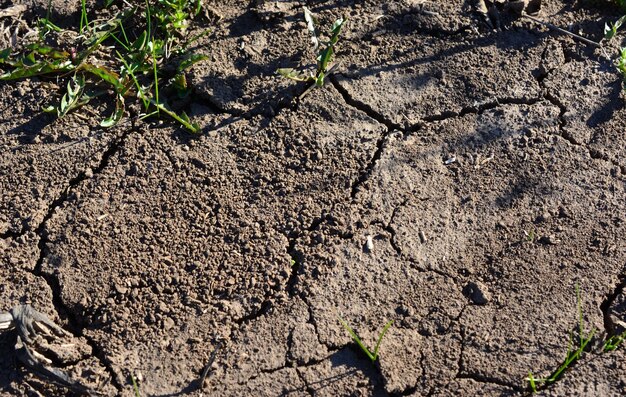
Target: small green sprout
(138, 71)
(135, 386)
(72, 99)
(611, 30)
(326, 51)
(372, 355)
(621, 62)
(571, 357)
(614, 342)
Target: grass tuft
(373, 356)
(325, 55)
(133, 64)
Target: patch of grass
(325, 55)
(146, 62)
(574, 353)
(372, 355)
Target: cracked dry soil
(155, 246)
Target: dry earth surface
(160, 249)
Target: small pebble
(369, 244)
(422, 236)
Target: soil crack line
(363, 107)
(74, 323)
(605, 306)
(489, 379)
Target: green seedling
(621, 63)
(571, 357)
(137, 72)
(611, 30)
(613, 342)
(372, 355)
(326, 52)
(84, 21)
(72, 99)
(135, 386)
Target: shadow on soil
(345, 364)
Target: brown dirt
(157, 247)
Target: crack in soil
(605, 306)
(308, 388)
(473, 376)
(74, 323)
(364, 176)
(380, 144)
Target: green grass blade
(117, 114)
(189, 61)
(106, 75)
(182, 119)
(531, 382)
(380, 338)
(83, 17)
(356, 338)
(293, 74)
(135, 386)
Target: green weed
(621, 63)
(611, 30)
(73, 99)
(140, 65)
(135, 386)
(372, 355)
(613, 342)
(326, 52)
(572, 355)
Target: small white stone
(369, 244)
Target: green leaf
(293, 74)
(5, 55)
(325, 57)
(73, 98)
(336, 29)
(183, 119)
(106, 75)
(380, 338)
(117, 114)
(356, 338)
(37, 69)
(611, 30)
(47, 51)
(189, 61)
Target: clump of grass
(613, 342)
(142, 63)
(325, 55)
(373, 356)
(572, 355)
